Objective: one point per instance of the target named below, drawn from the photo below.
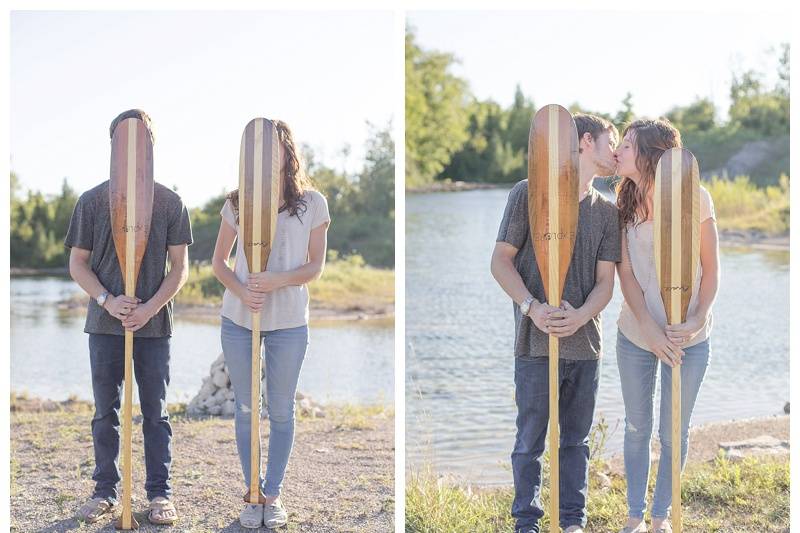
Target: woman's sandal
(95, 509)
(162, 512)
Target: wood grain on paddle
(130, 194)
(259, 194)
(553, 217)
(676, 246)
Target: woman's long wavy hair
(650, 138)
(295, 180)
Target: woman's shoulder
(313, 196)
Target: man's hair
(132, 113)
(595, 126)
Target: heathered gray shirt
(598, 239)
(90, 229)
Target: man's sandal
(162, 512)
(95, 509)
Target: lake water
(349, 362)
(459, 341)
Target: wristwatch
(101, 300)
(525, 306)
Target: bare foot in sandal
(162, 512)
(95, 509)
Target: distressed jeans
(638, 369)
(151, 368)
(578, 382)
(284, 351)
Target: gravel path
(340, 476)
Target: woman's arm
(219, 264)
(317, 247)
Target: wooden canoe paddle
(130, 195)
(259, 193)
(553, 215)
(676, 244)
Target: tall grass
(719, 496)
(741, 205)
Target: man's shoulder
(165, 195)
(603, 204)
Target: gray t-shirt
(598, 239)
(90, 229)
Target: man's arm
(172, 283)
(118, 306)
(565, 322)
(508, 278)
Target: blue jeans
(637, 373)
(284, 351)
(151, 368)
(578, 382)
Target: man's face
(601, 152)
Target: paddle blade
(259, 183)
(553, 195)
(130, 195)
(676, 229)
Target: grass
(721, 496)
(346, 284)
(741, 205)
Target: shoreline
(703, 448)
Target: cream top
(286, 307)
(642, 256)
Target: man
(587, 290)
(93, 264)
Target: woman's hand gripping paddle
(676, 245)
(130, 195)
(553, 212)
(259, 182)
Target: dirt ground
(340, 476)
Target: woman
(644, 338)
(280, 294)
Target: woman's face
(625, 156)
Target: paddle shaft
(555, 301)
(130, 290)
(255, 411)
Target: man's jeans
(151, 368)
(578, 382)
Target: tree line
(361, 206)
(451, 134)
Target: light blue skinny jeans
(638, 369)
(284, 351)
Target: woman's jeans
(637, 372)
(284, 350)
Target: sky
(201, 76)
(595, 58)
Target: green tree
(698, 116)
(435, 118)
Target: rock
(305, 406)
(603, 479)
(207, 389)
(215, 410)
(229, 394)
(758, 446)
(220, 379)
(208, 403)
(299, 395)
(229, 408)
(319, 413)
(786, 408)
(221, 396)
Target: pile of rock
(216, 395)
